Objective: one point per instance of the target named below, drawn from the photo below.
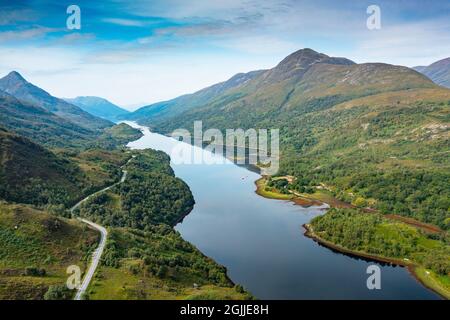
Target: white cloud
(26, 34)
(65, 73)
(125, 22)
(409, 44)
(13, 16)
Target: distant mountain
(99, 107)
(15, 85)
(177, 106)
(439, 72)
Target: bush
(58, 292)
(35, 272)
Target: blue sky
(138, 52)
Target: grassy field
(36, 250)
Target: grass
(263, 191)
(121, 284)
(34, 238)
(304, 200)
(135, 271)
(437, 283)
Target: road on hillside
(96, 256)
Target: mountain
(176, 106)
(372, 132)
(98, 107)
(40, 125)
(15, 85)
(439, 72)
(304, 81)
(31, 174)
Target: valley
(371, 140)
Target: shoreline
(301, 201)
(183, 216)
(309, 233)
(309, 202)
(410, 266)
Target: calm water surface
(261, 241)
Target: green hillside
(41, 125)
(120, 134)
(145, 257)
(158, 264)
(150, 195)
(31, 174)
(36, 250)
(163, 110)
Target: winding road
(104, 235)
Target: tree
(57, 292)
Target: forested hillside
(145, 257)
(32, 174)
(380, 237)
(41, 125)
(150, 195)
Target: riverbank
(422, 275)
(425, 277)
(275, 195)
(321, 198)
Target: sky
(134, 53)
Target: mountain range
(179, 105)
(15, 85)
(304, 81)
(32, 112)
(99, 107)
(439, 72)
